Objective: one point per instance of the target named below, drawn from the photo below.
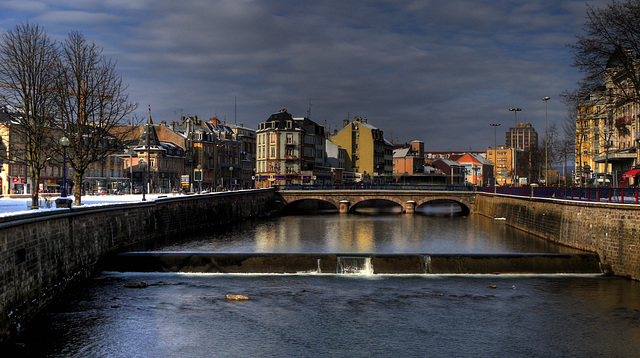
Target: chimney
(163, 123)
(214, 120)
(345, 122)
(364, 120)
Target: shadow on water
(441, 207)
(376, 207)
(309, 207)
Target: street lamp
(230, 178)
(143, 166)
(515, 147)
(199, 167)
(546, 144)
(495, 154)
(64, 142)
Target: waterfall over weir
(354, 265)
(267, 263)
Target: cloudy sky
(436, 71)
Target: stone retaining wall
(610, 230)
(42, 252)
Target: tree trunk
(77, 187)
(35, 178)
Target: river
(324, 315)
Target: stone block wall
(41, 253)
(610, 230)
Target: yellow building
(368, 153)
(594, 136)
(502, 161)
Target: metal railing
(360, 186)
(599, 195)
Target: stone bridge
(409, 200)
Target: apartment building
(594, 136)
(408, 159)
(502, 160)
(369, 155)
(478, 170)
(290, 151)
(607, 129)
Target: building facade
(369, 155)
(290, 151)
(502, 161)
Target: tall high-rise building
(522, 137)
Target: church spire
(149, 137)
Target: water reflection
(382, 233)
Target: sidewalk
(16, 206)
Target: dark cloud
(430, 70)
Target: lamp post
(143, 166)
(515, 146)
(230, 178)
(546, 144)
(64, 142)
(199, 167)
(495, 155)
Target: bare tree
(551, 147)
(573, 134)
(93, 106)
(610, 48)
(28, 60)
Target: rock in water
(136, 285)
(237, 298)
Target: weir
(292, 263)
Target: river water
(326, 315)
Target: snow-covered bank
(16, 206)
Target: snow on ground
(16, 206)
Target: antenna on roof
(309, 110)
(235, 111)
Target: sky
(430, 70)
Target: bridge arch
(310, 204)
(464, 209)
(363, 199)
(365, 202)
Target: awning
(631, 173)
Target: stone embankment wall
(41, 253)
(610, 230)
